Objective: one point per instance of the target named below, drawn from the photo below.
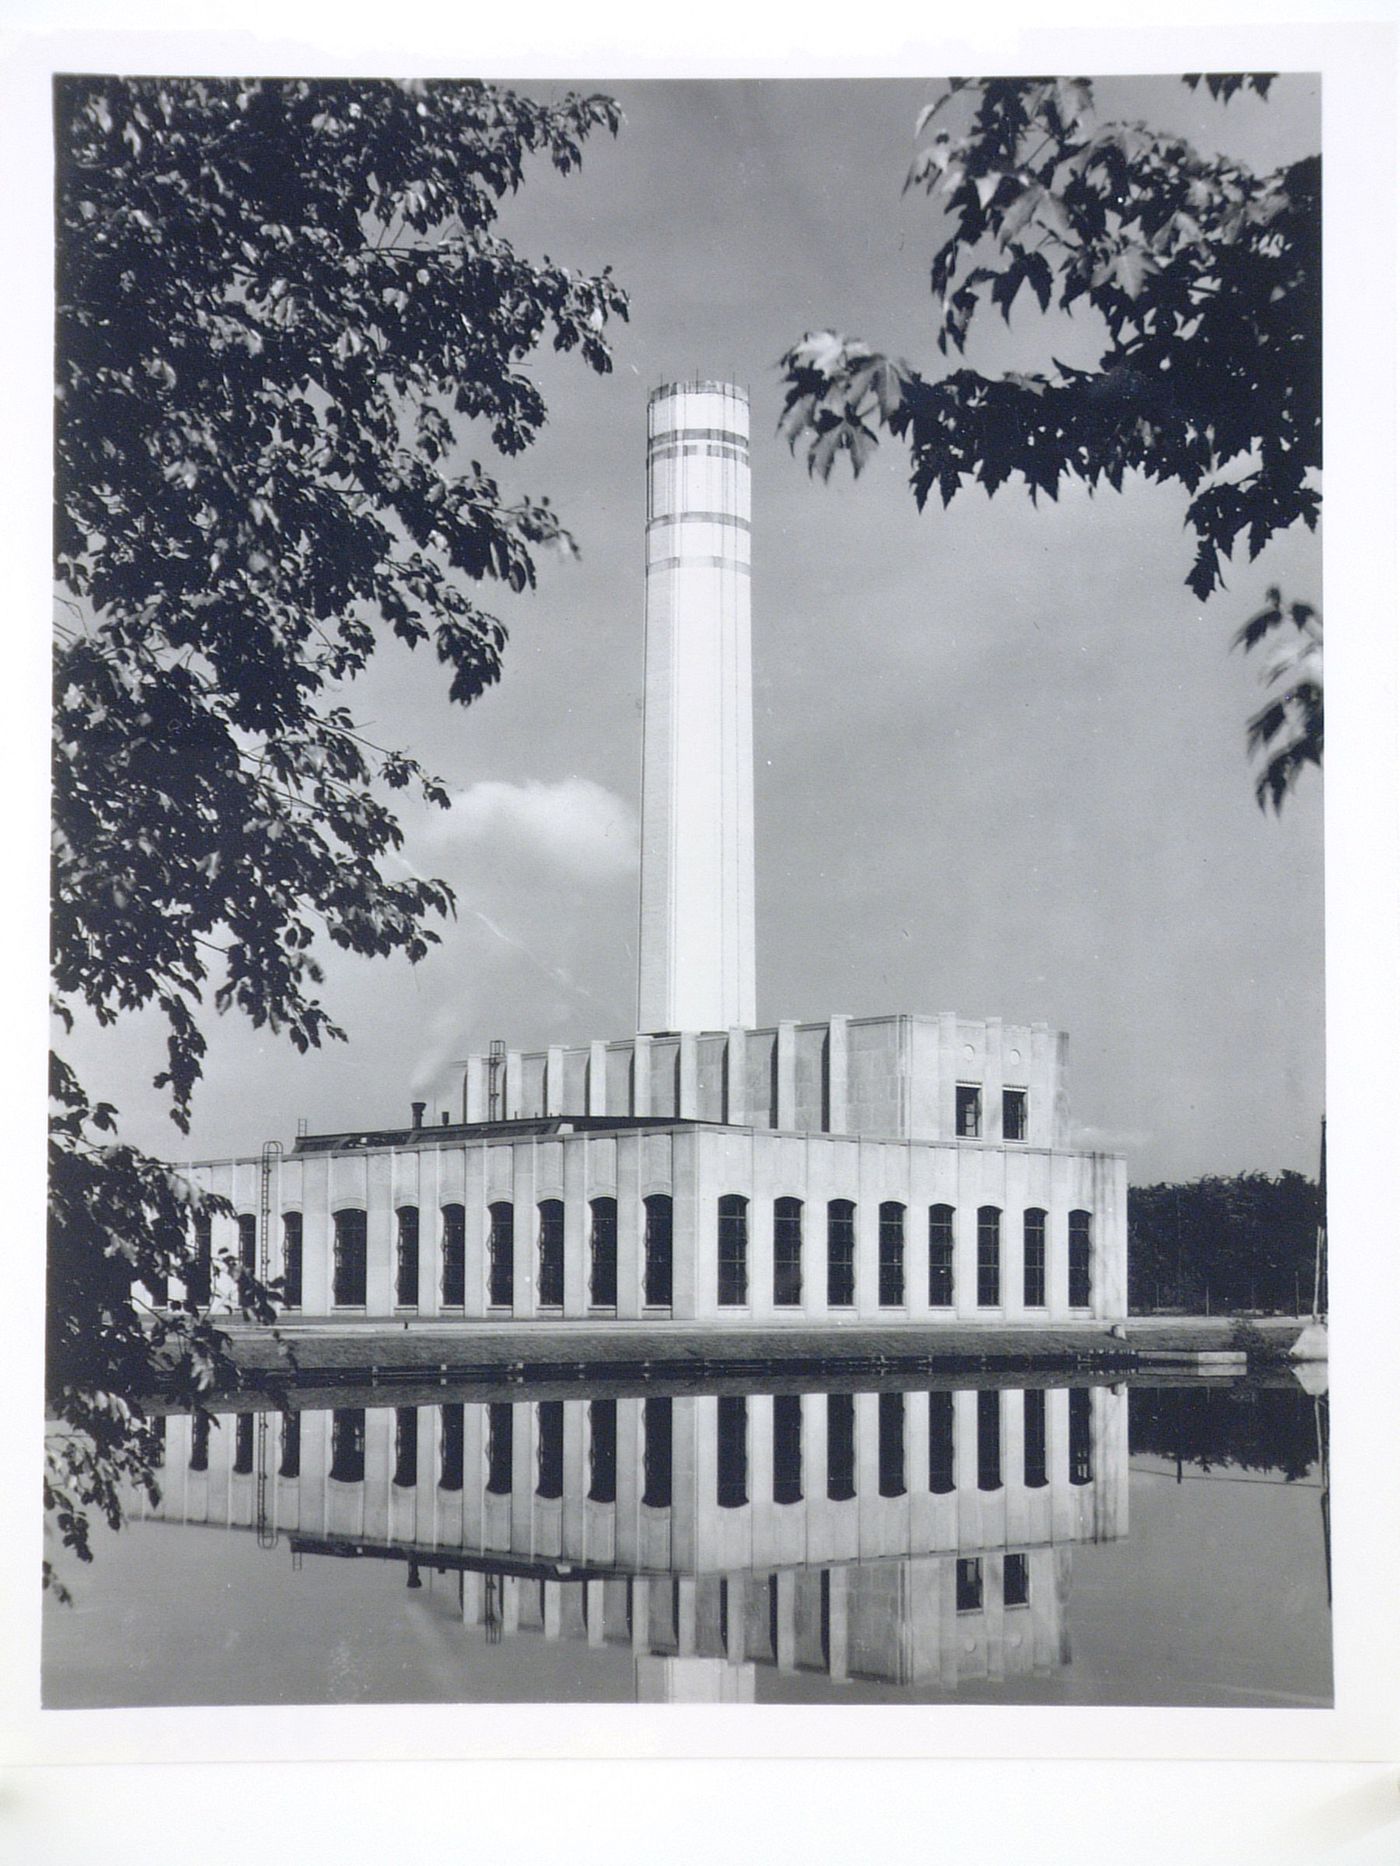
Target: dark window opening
(732, 1452)
(1013, 1114)
(247, 1244)
(733, 1289)
(969, 1584)
(551, 1248)
(891, 1445)
(1016, 1582)
(988, 1257)
(787, 1448)
(787, 1253)
(656, 1453)
(942, 1475)
(500, 1448)
(840, 1446)
(156, 1428)
(200, 1280)
(1080, 1241)
(549, 1449)
(1033, 1434)
(291, 1260)
(500, 1283)
(454, 1256)
(453, 1434)
(988, 1439)
(199, 1442)
(406, 1258)
(291, 1445)
(348, 1444)
(940, 1256)
(348, 1286)
(1033, 1240)
(158, 1284)
(840, 1254)
(891, 1291)
(602, 1282)
(1081, 1436)
(969, 1111)
(406, 1446)
(602, 1451)
(656, 1274)
(243, 1445)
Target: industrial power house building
(707, 1169)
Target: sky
(1000, 764)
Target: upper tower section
(696, 947)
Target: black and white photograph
(690, 1038)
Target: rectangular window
(942, 1476)
(787, 1448)
(1033, 1242)
(199, 1282)
(291, 1445)
(500, 1250)
(656, 1453)
(1016, 1582)
(348, 1290)
(969, 1585)
(406, 1266)
(1013, 1114)
(405, 1446)
(602, 1451)
(891, 1290)
(988, 1257)
(549, 1449)
(247, 1244)
(732, 1452)
(787, 1253)
(891, 1444)
(291, 1260)
(1080, 1242)
(550, 1288)
(453, 1434)
(940, 1256)
(454, 1256)
(840, 1254)
(840, 1446)
(733, 1251)
(602, 1254)
(656, 1289)
(1033, 1435)
(1081, 1436)
(969, 1111)
(988, 1439)
(243, 1445)
(348, 1444)
(199, 1442)
(500, 1448)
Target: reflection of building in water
(913, 1167)
(908, 1536)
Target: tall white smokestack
(696, 961)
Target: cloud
(574, 826)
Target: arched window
(453, 1432)
(942, 1470)
(602, 1254)
(549, 1449)
(247, 1244)
(199, 1282)
(454, 1256)
(291, 1445)
(787, 1448)
(348, 1287)
(1033, 1436)
(940, 1256)
(891, 1445)
(988, 1439)
(199, 1442)
(291, 1260)
(405, 1446)
(891, 1255)
(500, 1448)
(500, 1252)
(732, 1452)
(1080, 1250)
(1081, 1436)
(988, 1257)
(550, 1287)
(840, 1254)
(656, 1453)
(602, 1451)
(1033, 1258)
(406, 1258)
(243, 1445)
(840, 1446)
(656, 1271)
(787, 1253)
(733, 1250)
(348, 1444)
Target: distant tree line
(1245, 1242)
(1252, 1428)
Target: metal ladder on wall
(270, 1163)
